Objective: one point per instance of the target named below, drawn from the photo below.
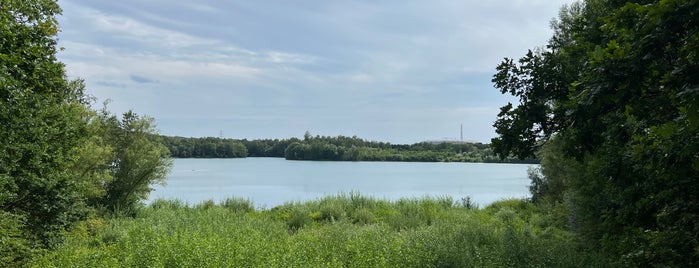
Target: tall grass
(347, 230)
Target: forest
(610, 107)
(339, 148)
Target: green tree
(617, 87)
(41, 117)
(139, 160)
(58, 157)
(91, 160)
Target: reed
(345, 230)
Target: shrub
(298, 218)
(206, 204)
(237, 204)
(363, 216)
(331, 211)
(14, 248)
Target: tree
(58, 158)
(139, 160)
(41, 117)
(617, 87)
(208, 147)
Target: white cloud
(107, 63)
(162, 54)
(281, 57)
(140, 32)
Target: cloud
(165, 52)
(142, 80)
(110, 84)
(280, 57)
(124, 27)
(399, 72)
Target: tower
(462, 132)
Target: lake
(269, 182)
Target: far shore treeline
(339, 148)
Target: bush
(206, 204)
(363, 216)
(237, 204)
(331, 211)
(14, 248)
(298, 218)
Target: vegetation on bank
(611, 106)
(337, 231)
(60, 160)
(340, 148)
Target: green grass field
(346, 230)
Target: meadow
(346, 230)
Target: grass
(347, 230)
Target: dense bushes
(337, 231)
(60, 161)
(14, 246)
(613, 102)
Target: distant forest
(339, 148)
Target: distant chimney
(462, 132)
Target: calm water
(269, 182)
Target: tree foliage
(40, 114)
(208, 147)
(616, 86)
(342, 148)
(58, 158)
(139, 160)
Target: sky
(396, 71)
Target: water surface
(269, 182)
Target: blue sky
(396, 71)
